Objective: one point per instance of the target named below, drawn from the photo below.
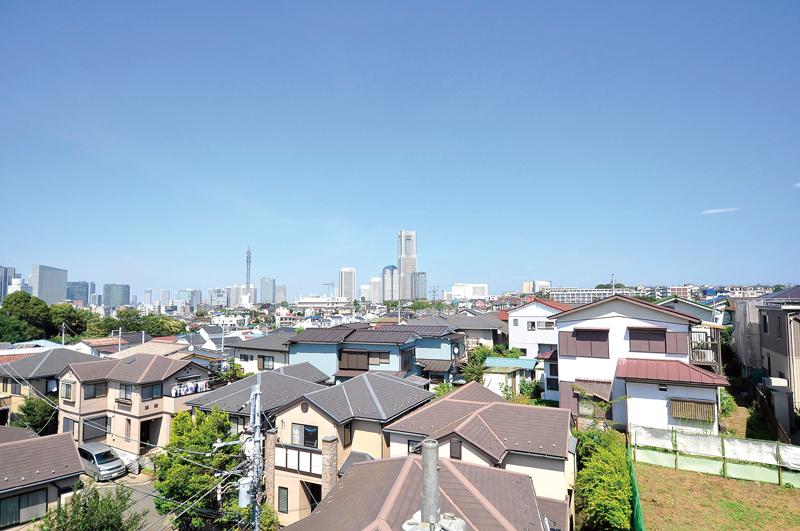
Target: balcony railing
(705, 349)
(299, 459)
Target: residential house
(35, 375)
(481, 329)
(350, 417)
(592, 339)
(530, 328)
(38, 474)
(262, 353)
(101, 347)
(128, 403)
(439, 350)
(507, 373)
(385, 494)
(779, 331)
(706, 337)
(475, 425)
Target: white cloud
(797, 184)
(719, 210)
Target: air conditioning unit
(773, 382)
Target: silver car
(101, 462)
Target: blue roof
(522, 363)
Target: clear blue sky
(150, 143)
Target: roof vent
(130, 360)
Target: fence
(767, 461)
(637, 515)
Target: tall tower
(347, 283)
(406, 261)
(248, 257)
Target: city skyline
(651, 167)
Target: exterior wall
(704, 314)
(551, 477)
(321, 356)
(280, 359)
(494, 382)
(433, 349)
(647, 406)
(298, 504)
(34, 388)
(520, 337)
(479, 337)
(469, 454)
(547, 394)
(368, 438)
(312, 417)
(398, 443)
(794, 383)
(53, 497)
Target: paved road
(141, 489)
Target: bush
(443, 388)
(507, 391)
(527, 388)
(727, 405)
(592, 440)
(603, 489)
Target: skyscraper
(391, 283)
(148, 297)
(115, 295)
(347, 283)
(163, 297)
(375, 291)
(6, 275)
(364, 293)
(193, 297)
(280, 294)
(49, 283)
(419, 285)
(78, 291)
(406, 260)
(219, 297)
(267, 291)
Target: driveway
(142, 491)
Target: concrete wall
(647, 406)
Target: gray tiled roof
(46, 364)
(277, 390)
(11, 434)
(275, 341)
(485, 497)
(420, 330)
(349, 335)
(461, 322)
(304, 371)
(140, 368)
(321, 335)
(38, 460)
(371, 396)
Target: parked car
(101, 462)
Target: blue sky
(151, 143)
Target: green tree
(443, 388)
(29, 309)
(13, 330)
(88, 510)
(182, 475)
(727, 405)
(34, 413)
(130, 320)
(778, 287)
(234, 517)
(162, 325)
(480, 353)
(233, 373)
(76, 320)
(473, 370)
(420, 304)
(100, 326)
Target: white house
(531, 329)
(593, 338)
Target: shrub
(603, 489)
(593, 439)
(473, 371)
(507, 391)
(443, 388)
(727, 405)
(527, 388)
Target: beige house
(320, 435)
(475, 425)
(128, 403)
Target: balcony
(299, 460)
(175, 397)
(706, 349)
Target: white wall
(520, 337)
(551, 477)
(647, 406)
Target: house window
(412, 444)
(283, 500)
(455, 449)
(545, 325)
(11, 386)
(591, 343)
(764, 324)
(516, 322)
(150, 392)
(531, 326)
(266, 363)
(662, 387)
(642, 340)
(692, 410)
(69, 425)
(552, 384)
(95, 390)
(23, 508)
(553, 369)
(66, 391)
(347, 434)
(353, 360)
(304, 435)
(125, 391)
(780, 327)
(238, 424)
(127, 429)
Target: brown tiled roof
(420, 330)
(633, 300)
(304, 371)
(8, 358)
(11, 434)
(667, 371)
(42, 459)
(384, 494)
(435, 365)
(551, 355)
(599, 388)
(556, 511)
(140, 368)
(46, 364)
(321, 335)
(103, 342)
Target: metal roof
(667, 371)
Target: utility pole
(258, 451)
(119, 340)
(62, 333)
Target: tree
(29, 309)
(13, 330)
(91, 511)
(778, 287)
(420, 304)
(473, 370)
(233, 373)
(100, 326)
(34, 413)
(443, 388)
(162, 325)
(130, 320)
(235, 517)
(182, 475)
(76, 320)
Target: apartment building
(585, 295)
(128, 403)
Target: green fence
(637, 516)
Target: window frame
(347, 434)
(19, 507)
(283, 500)
(516, 322)
(456, 450)
(93, 388)
(545, 325)
(593, 344)
(765, 324)
(125, 391)
(66, 391)
(530, 328)
(551, 384)
(71, 425)
(302, 435)
(151, 388)
(411, 444)
(10, 383)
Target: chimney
(430, 483)
(330, 465)
(270, 437)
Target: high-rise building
(364, 293)
(347, 283)
(148, 297)
(280, 294)
(391, 283)
(219, 297)
(163, 297)
(78, 291)
(419, 285)
(192, 297)
(242, 296)
(406, 260)
(49, 283)
(375, 291)
(535, 286)
(96, 299)
(7, 274)
(115, 295)
(19, 284)
(462, 291)
(267, 291)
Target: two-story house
(595, 337)
(439, 350)
(128, 403)
(530, 328)
(35, 375)
(346, 421)
(779, 331)
(706, 337)
(475, 425)
(478, 329)
(261, 353)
